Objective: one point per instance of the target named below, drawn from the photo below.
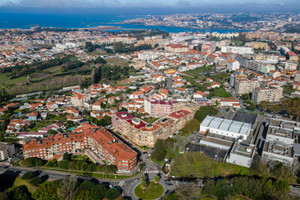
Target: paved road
(128, 188)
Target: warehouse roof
(226, 125)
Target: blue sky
(149, 6)
(143, 3)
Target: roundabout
(151, 192)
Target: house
(33, 116)
(230, 102)
(198, 96)
(296, 86)
(215, 85)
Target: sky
(230, 5)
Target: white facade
(237, 50)
(232, 66)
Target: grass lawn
(200, 165)
(237, 42)
(19, 181)
(220, 77)
(40, 125)
(196, 72)
(117, 61)
(219, 92)
(54, 70)
(224, 169)
(151, 191)
(193, 82)
(5, 79)
(207, 198)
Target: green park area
(19, 181)
(152, 191)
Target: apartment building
(118, 120)
(139, 132)
(143, 134)
(78, 99)
(6, 150)
(158, 107)
(181, 117)
(177, 48)
(237, 50)
(105, 145)
(243, 85)
(271, 94)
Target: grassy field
(224, 77)
(19, 181)
(196, 72)
(192, 81)
(151, 192)
(219, 92)
(200, 165)
(48, 79)
(118, 62)
(40, 125)
(6, 81)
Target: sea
(26, 20)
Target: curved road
(151, 169)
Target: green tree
(156, 180)
(28, 175)
(98, 192)
(144, 185)
(19, 193)
(112, 193)
(171, 196)
(204, 111)
(36, 181)
(92, 167)
(143, 178)
(84, 166)
(84, 195)
(86, 185)
(46, 191)
(67, 156)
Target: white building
(225, 127)
(6, 150)
(241, 154)
(233, 65)
(237, 50)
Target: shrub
(28, 175)
(36, 180)
(112, 193)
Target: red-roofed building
(141, 133)
(176, 48)
(103, 143)
(78, 99)
(292, 56)
(118, 120)
(181, 117)
(230, 102)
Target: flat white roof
(226, 125)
